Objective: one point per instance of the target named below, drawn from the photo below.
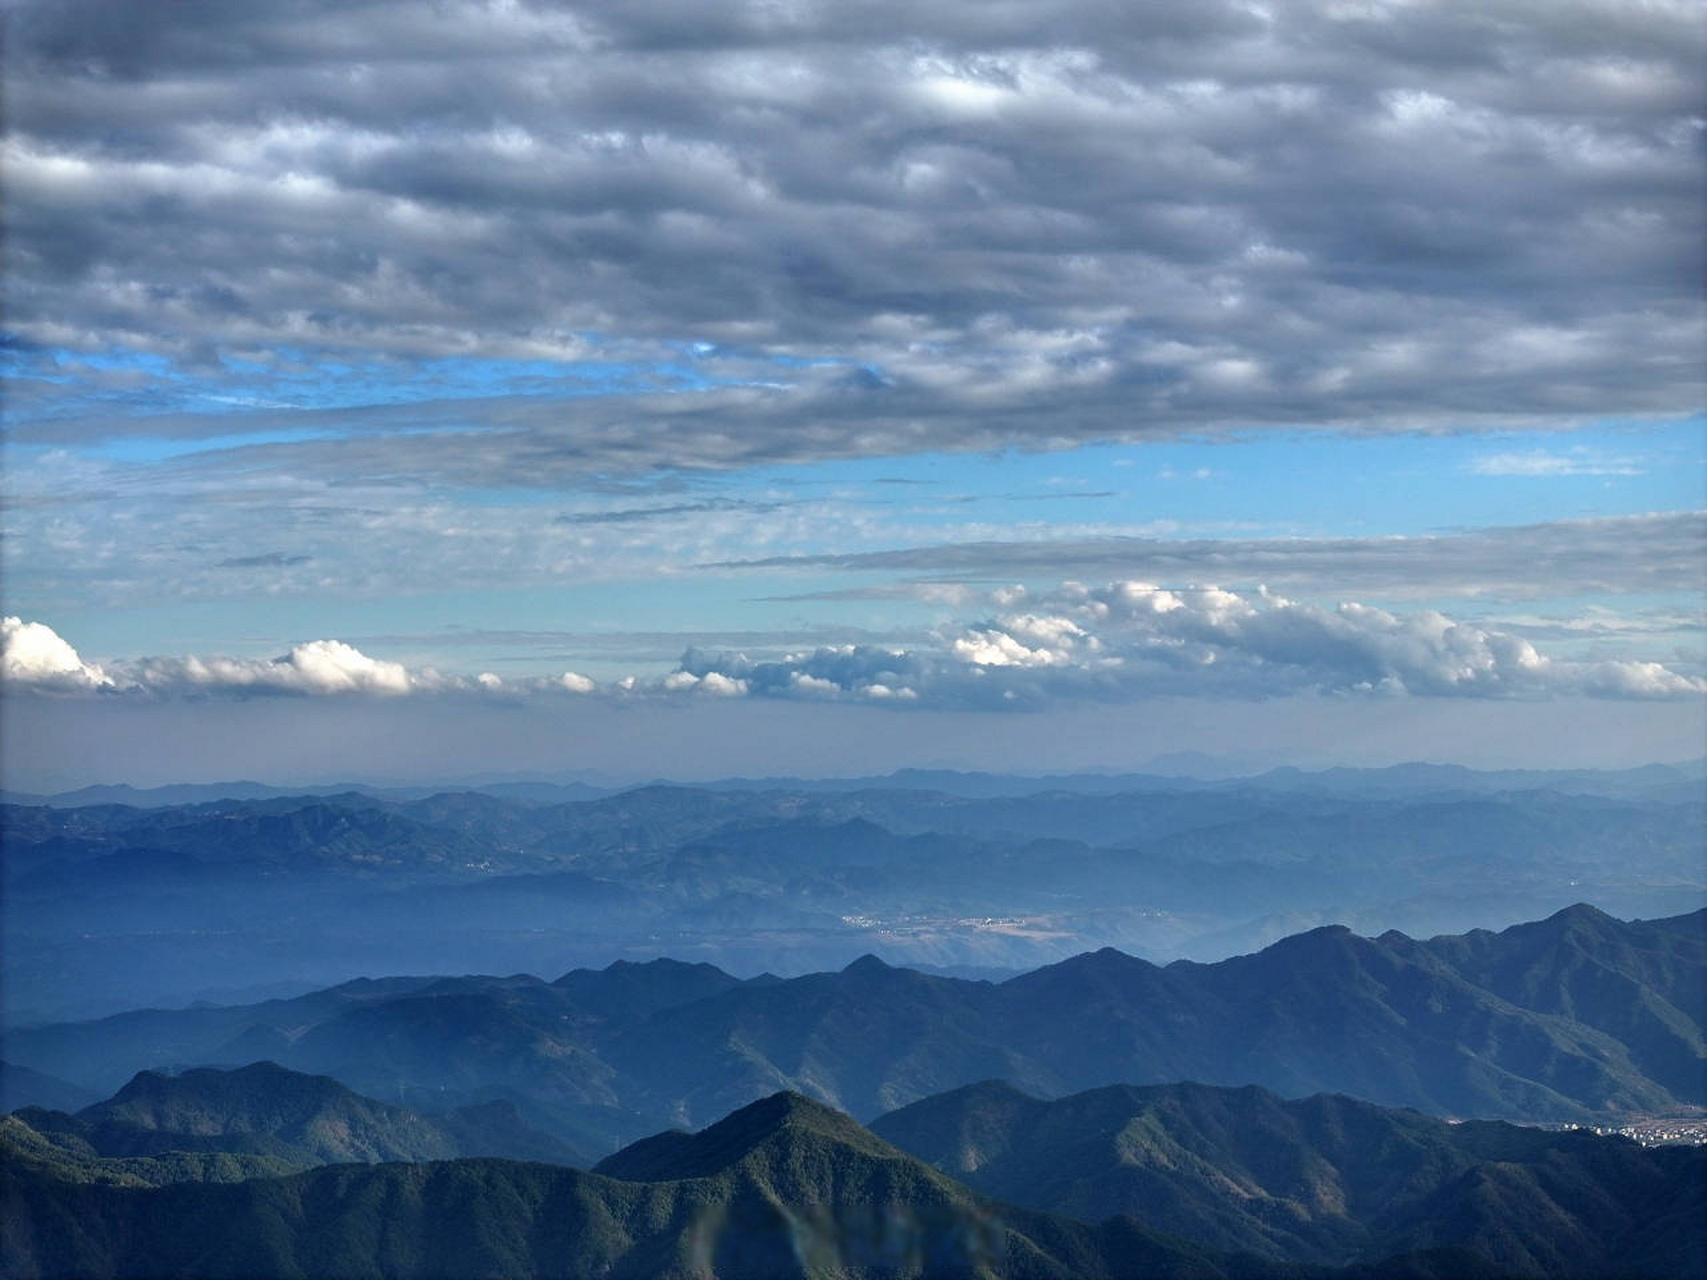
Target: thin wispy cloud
(1539, 463)
(1627, 555)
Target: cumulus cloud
(36, 658)
(1135, 639)
(317, 667)
(1125, 640)
(33, 655)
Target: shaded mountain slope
(783, 1188)
(788, 1187)
(1385, 1019)
(1640, 983)
(263, 1108)
(1578, 1017)
(1323, 1180)
(284, 1119)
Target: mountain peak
(1103, 960)
(1580, 912)
(218, 1087)
(866, 966)
(798, 1123)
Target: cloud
(32, 655)
(317, 667)
(269, 560)
(36, 659)
(1123, 641)
(626, 515)
(757, 234)
(1134, 640)
(1539, 463)
(1621, 555)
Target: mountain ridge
(787, 1186)
(600, 1053)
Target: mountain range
(1575, 1018)
(227, 897)
(1321, 1180)
(1172, 1181)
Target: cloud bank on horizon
(1118, 642)
(948, 356)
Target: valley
(1521, 1101)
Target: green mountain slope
(1323, 1180)
(261, 1119)
(1575, 1018)
(784, 1188)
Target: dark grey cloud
(267, 560)
(1011, 223)
(1623, 555)
(628, 515)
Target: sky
(421, 392)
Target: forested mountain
(786, 1187)
(1575, 1017)
(1317, 1180)
(860, 954)
(1181, 1181)
(263, 1118)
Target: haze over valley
(113, 906)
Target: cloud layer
(1120, 642)
(808, 231)
(527, 336)
(1661, 552)
(1130, 640)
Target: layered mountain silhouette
(786, 1187)
(225, 1125)
(113, 906)
(1182, 1181)
(1321, 1180)
(1576, 1017)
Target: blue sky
(936, 385)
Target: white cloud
(1133, 640)
(715, 683)
(316, 667)
(36, 658)
(723, 686)
(1121, 641)
(33, 654)
(1540, 463)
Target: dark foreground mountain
(1320, 1180)
(223, 1126)
(788, 1187)
(1575, 1018)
